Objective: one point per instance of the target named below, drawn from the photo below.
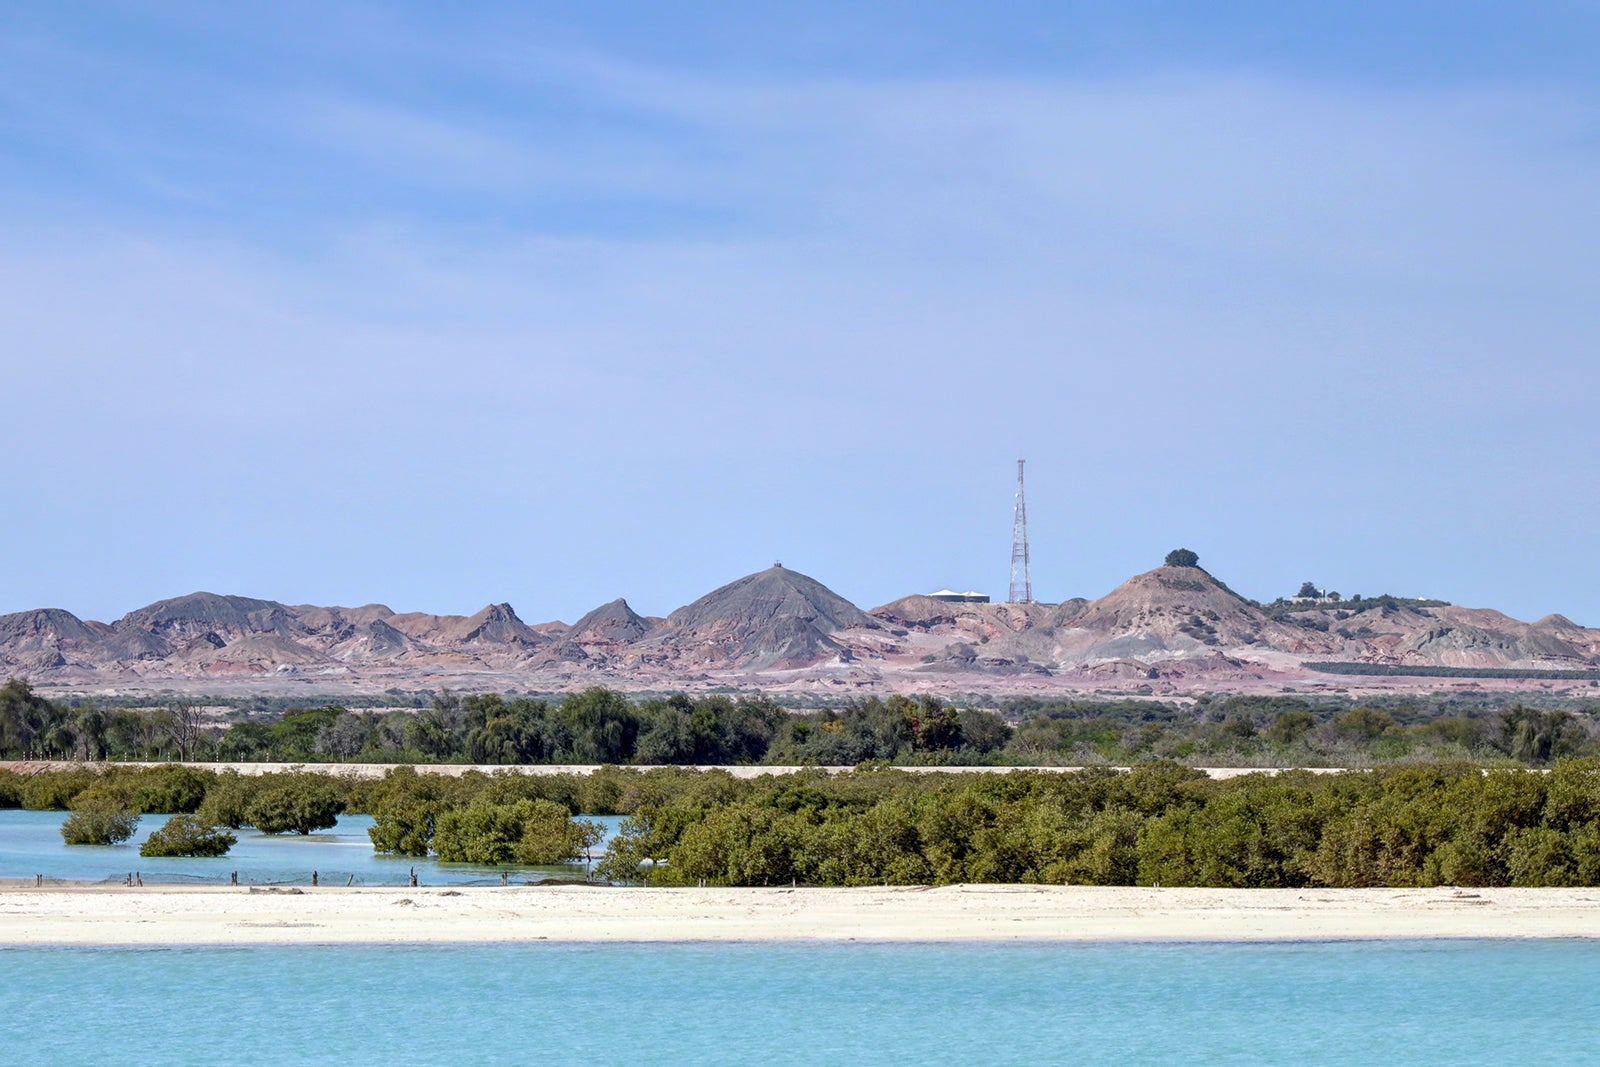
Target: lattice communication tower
(1021, 580)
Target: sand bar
(172, 915)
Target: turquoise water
(31, 845)
(1342, 1003)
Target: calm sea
(1489, 1002)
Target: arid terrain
(1167, 632)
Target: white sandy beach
(227, 915)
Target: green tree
(135, 733)
(302, 805)
(92, 726)
(294, 735)
(1363, 723)
(405, 808)
(634, 849)
(187, 835)
(246, 741)
(933, 726)
(1182, 557)
(983, 731)
(344, 737)
(55, 791)
(171, 789)
(404, 826)
(672, 736)
(227, 801)
(601, 726)
(24, 718)
(99, 824)
(1537, 737)
(1289, 727)
(531, 832)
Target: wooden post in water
(413, 878)
(313, 878)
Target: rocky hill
(1175, 611)
(604, 635)
(48, 639)
(777, 618)
(1171, 629)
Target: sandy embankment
(226, 915)
(456, 770)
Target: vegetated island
(1159, 824)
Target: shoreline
(91, 915)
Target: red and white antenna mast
(1021, 580)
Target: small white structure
(950, 596)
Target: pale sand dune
(224, 915)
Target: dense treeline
(595, 726)
(1420, 825)
(1278, 731)
(1158, 825)
(602, 726)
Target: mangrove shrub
(188, 835)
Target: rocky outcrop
(372, 642)
(972, 621)
(493, 637)
(173, 624)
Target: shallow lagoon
(1321, 1003)
(31, 845)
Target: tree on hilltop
(1182, 557)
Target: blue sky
(439, 305)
